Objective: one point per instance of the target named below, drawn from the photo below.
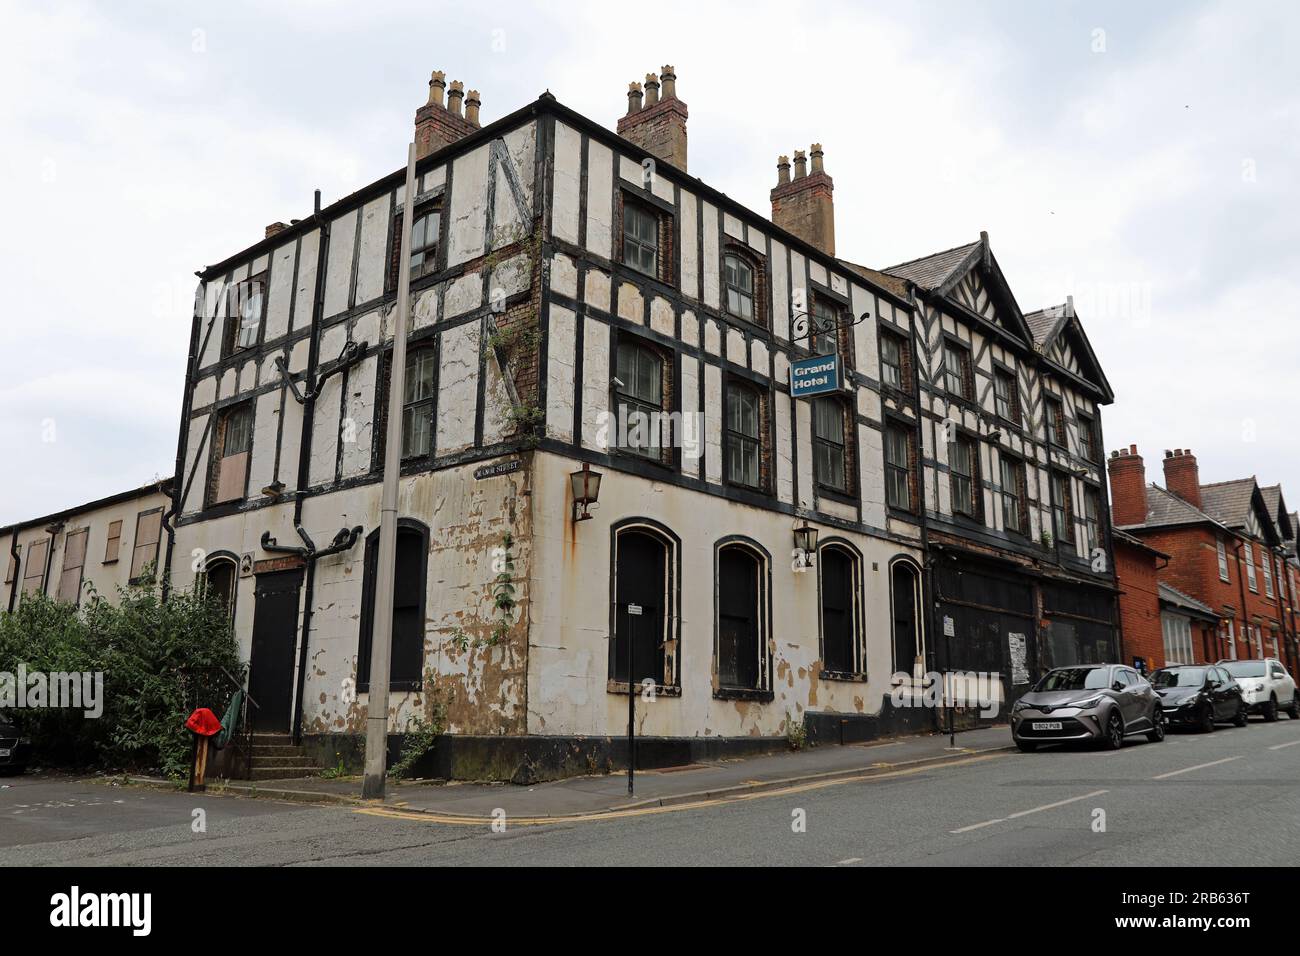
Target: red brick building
(1226, 558)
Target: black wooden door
(275, 632)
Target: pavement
(1230, 798)
(602, 793)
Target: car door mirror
(1118, 685)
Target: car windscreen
(1182, 677)
(1073, 678)
(1244, 668)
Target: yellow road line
(598, 816)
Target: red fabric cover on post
(203, 722)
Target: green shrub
(159, 661)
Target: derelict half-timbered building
(752, 561)
(1016, 512)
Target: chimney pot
(800, 164)
(669, 79)
(437, 83)
(817, 155)
(633, 98)
(782, 170)
(1133, 449)
(454, 96)
(472, 103)
(651, 89)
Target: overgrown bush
(159, 661)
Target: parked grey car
(1091, 702)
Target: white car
(1266, 687)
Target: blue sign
(814, 376)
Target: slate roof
(892, 283)
(1045, 323)
(1171, 595)
(1164, 508)
(932, 271)
(1228, 502)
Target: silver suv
(1091, 702)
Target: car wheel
(1207, 719)
(1157, 732)
(1270, 709)
(1026, 746)
(1294, 710)
(1114, 738)
(1243, 715)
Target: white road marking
(1199, 766)
(1280, 746)
(852, 859)
(1025, 813)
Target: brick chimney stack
(804, 205)
(658, 126)
(1183, 476)
(437, 125)
(1128, 486)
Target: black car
(1199, 695)
(15, 749)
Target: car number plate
(1047, 725)
(4, 751)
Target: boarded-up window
(114, 542)
(74, 559)
(641, 564)
(740, 648)
(839, 585)
(148, 526)
(10, 568)
(34, 567)
(406, 660)
(232, 447)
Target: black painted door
(275, 632)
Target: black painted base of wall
(857, 728)
(533, 759)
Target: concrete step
(298, 761)
(281, 773)
(273, 740)
(276, 750)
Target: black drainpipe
(18, 569)
(53, 531)
(304, 458)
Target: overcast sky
(1142, 157)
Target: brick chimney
(437, 125)
(659, 125)
(1182, 476)
(804, 205)
(1128, 486)
(274, 229)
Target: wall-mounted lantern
(586, 490)
(805, 540)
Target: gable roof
(1048, 325)
(1276, 506)
(938, 274)
(1231, 502)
